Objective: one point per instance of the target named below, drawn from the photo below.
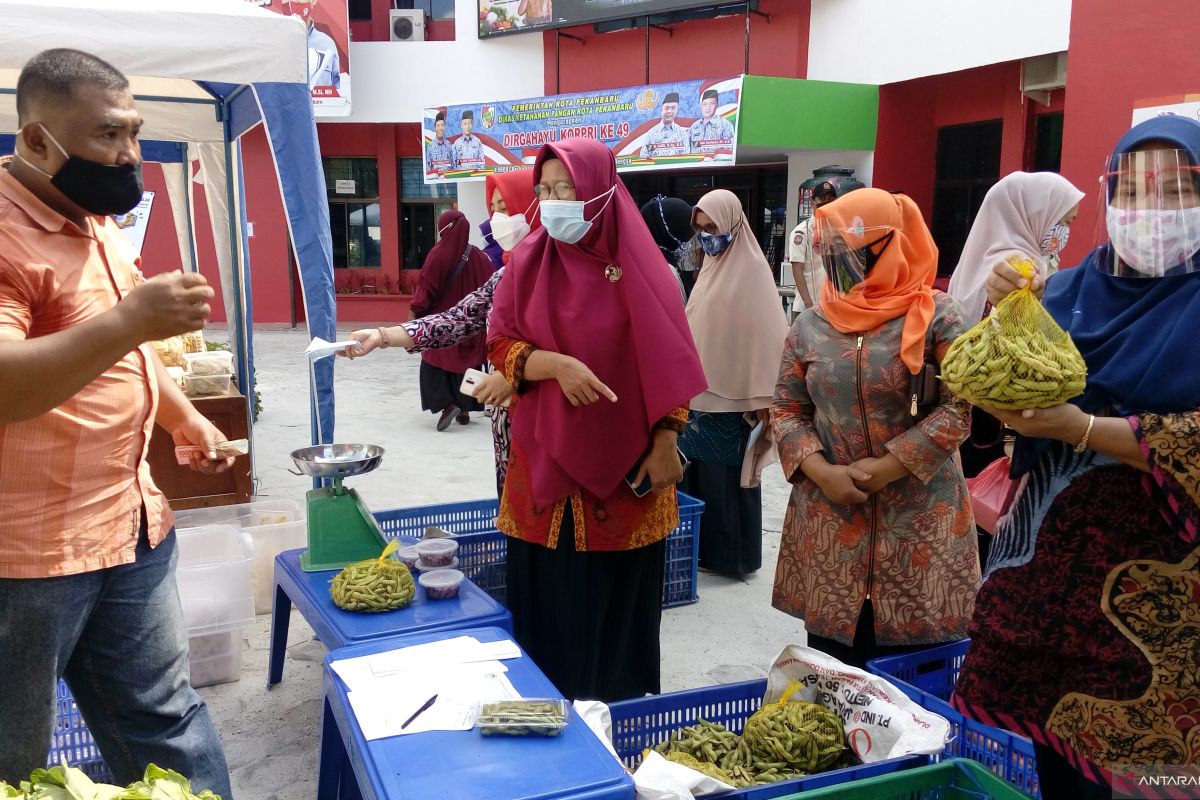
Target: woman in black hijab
(670, 222)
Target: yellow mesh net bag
(377, 584)
(1017, 357)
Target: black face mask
(95, 187)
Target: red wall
(910, 113)
(1151, 57)
(696, 49)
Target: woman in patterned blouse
(878, 552)
(1086, 634)
(468, 317)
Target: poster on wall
(498, 17)
(328, 23)
(663, 126)
(1184, 106)
(134, 222)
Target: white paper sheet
(385, 704)
(385, 689)
(356, 672)
(319, 348)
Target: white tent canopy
(202, 75)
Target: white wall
(883, 41)
(395, 81)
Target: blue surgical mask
(564, 220)
(715, 243)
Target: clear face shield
(848, 254)
(1151, 215)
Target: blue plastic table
(309, 591)
(462, 764)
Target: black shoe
(447, 417)
(464, 418)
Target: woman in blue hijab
(1086, 633)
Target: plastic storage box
(956, 779)
(646, 721)
(928, 677)
(482, 548)
(275, 525)
(216, 362)
(213, 576)
(207, 385)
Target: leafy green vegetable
(68, 783)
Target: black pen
(419, 711)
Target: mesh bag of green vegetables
(377, 584)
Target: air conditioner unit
(1043, 73)
(407, 25)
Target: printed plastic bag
(881, 722)
(1017, 357)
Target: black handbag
(716, 438)
(925, 388)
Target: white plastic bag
(659, 779)
(881, 722)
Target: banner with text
(663, 126)
(498, 17)
(328, 24)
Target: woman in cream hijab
(738, 324)
(1025, 213)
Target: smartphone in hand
(642, 489)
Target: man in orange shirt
(87, 549)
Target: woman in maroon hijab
(588, 327)
(453, 269)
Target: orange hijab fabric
(900, 283)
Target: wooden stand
(185, 487)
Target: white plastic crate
(213, 575)
(274, 524)
(215, 657)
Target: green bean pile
(762, 754)
(804, 736)
(373, 585)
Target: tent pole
(187, 200)
(241, 337)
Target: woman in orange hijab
(878, 552)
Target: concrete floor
(271, 736)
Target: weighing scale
(341, 529)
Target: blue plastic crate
(72, 741)
(646, 721)
(482, 548)
(928, 677)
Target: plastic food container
(217, 362)
(409, 556)
(206, 385)
(441, 584)
(535, 716)
(437, 552)
(421, 566)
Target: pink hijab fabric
(736, 315)
(632, 333)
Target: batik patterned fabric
(911, 547)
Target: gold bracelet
(384, 338)
(1083, 443)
